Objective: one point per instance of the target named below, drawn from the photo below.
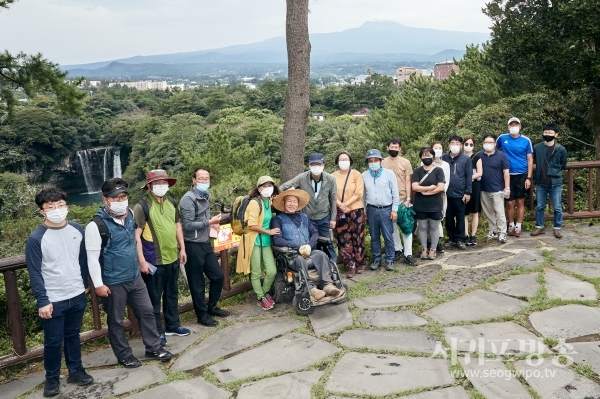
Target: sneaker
(218, 312)
(557, 234)
(179, 331)
(270, 299)
(265, 304)
(450, 244)
(317, 294)
(207, 321)
(160, 354)
(468, 240)
(491, 235)
(389, 266)
(439, 248)
(409, 260)
(163, 340)
(511, 230)
(537, 231)
(398, 255)
(130, 362)
(360, 269)
(502, 238)
(331, 290)
(51, 387)
(461, 245)
(375, 265)
(517, 232)
(80, 377)
(473, 240)
(351, 271)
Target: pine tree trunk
(298, 90)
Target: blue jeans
(380, 223)
(64, 325)
(322, 226)
(541, 194)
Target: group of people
(134, 256)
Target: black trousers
(201, 260)
(163, 283)
(455, 219)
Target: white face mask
(468, 149)
(438, 153)
(455, 149)
(489, 147)
(119, 208)
(267, 192)
(160, 189)
(344, 165)
(57, 215)
(316, 170)
(514, 129)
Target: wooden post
(14, 312)
(95, 307)
(570, 191)
(225, 268)
(590, 189)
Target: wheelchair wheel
(302, 305)
(278, 290)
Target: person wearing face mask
(438, 149)
(350, 223)
(159, 240)
(403, 170)
(550, 160)
(321, 209)
(519, 151)
(459, 192)
(115, 272)
(257, 241)
(58, 272)
(474, 205)
(381, 198)
(196, 221)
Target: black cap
(115, 191)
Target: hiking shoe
(517, 232)
(317, 294)
(511, 230)
(473, 240)
(491, 235)
(360, 269)
(439, 247)
(159, 354)
(218, 312)
(409, 260)
(389, 266)
(51, 387)
(450, 244)
(207, 321)
(80, 377)
(130, 362)
(270, 299)
(537, 231)
(351, 271)
(265, 304)
(331, 290)
(461, 245)
(163, 340)
(557, 233)
(398, 255)
(375, 265)
(179, 331)
(502, 238)
(468, 240)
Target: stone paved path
(519, 320)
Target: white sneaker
(502, 238)
(491, 235)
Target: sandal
(432, 254)
(424, 253)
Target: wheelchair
(292, 285)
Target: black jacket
(461, 173)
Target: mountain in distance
(377, 41)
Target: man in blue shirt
(519, 151)
(382, 200)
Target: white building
(360, 79)
(142, 85)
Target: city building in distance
(442, 70)
(403, 74)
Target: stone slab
(592, 255)
(553, 382)
(327, 319)
(454, 281)
(288, 353)
(526, 259)
(106, 357)
(196, 388)
(19, 387)
(565, 242)
(109, 382)
(593, 230)
(585, 269)
(287, 386)
(446, 393)
(233, 339)
(475, 305)
(404, 340)
(523, 243)
(383, 301)
(471, 259)
(384, 318)
(569, 321)
(522, 285)
(493, 379)
(494, 338)
(420, 276)
(373, 374)
(561, 286)
(585, 353)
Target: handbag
(340, 213)
(406, 218)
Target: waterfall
(105, 164)
(117, 163)
(84, 162)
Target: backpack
(238, 212)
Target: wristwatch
(529, 178)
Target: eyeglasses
(55, 207)
(119, 198)
(203, 180)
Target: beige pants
(493, 208)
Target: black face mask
(427, 161)
(548, 138)
(393, 153)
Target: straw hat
(302, 196)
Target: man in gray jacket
(194, 209)
(321, 186)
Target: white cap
(513, 119)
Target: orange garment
(355, 186)
(402, 169)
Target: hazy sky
(81, 31)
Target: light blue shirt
(383, 190)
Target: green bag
(406, 218)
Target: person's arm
(358, 191)
(563, 161)
(83, 264)
(529, 171)
(506, 174)
(408, 185)
(468, 180)
(144, 267)
(439, 186)
(33, 259)
(479, 170)
(253, 219)
(93, 245)
(332, 201)
(187, 213)
(278, 239)
(293, 183)
(181, 243)
(499, 143)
